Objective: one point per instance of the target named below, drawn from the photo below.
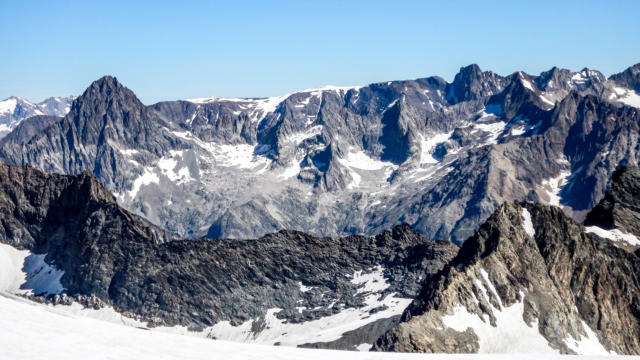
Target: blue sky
(165, 50)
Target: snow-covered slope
(34, 331)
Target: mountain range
(492, 214)
(342, 160)
(14, 110)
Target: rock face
(15, 109)
(112, 257)
(620, 207)
(341, 160)
(532, 279)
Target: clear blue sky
(166, 50)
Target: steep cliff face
(112, 257)
(532, 279)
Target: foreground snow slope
(31, 331)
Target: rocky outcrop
(620, 207)
(532, 278)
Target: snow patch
(493, 129)
(360, 160)
(372, 281)
(242, 156)
(428, 145)
(511, 333)
(553, 186)
(527, 224)
(147, 177)
(625, 96)
(168, 166)
(292, 170)
(304, 288)
(325, 329)
(614, 235)
(38, 329)
(128, 152)
(526, 83)
(587, 345)
(547, 101)
(297, 138)
(8, 106)
(26, 273)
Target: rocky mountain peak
(471, 83)
(109, 92)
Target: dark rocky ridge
(122, 260)
(566, 275)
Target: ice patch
(614, 235)
(26, 273)
(517, 131)
(364, 347)
(527, 224)
(359, 161)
